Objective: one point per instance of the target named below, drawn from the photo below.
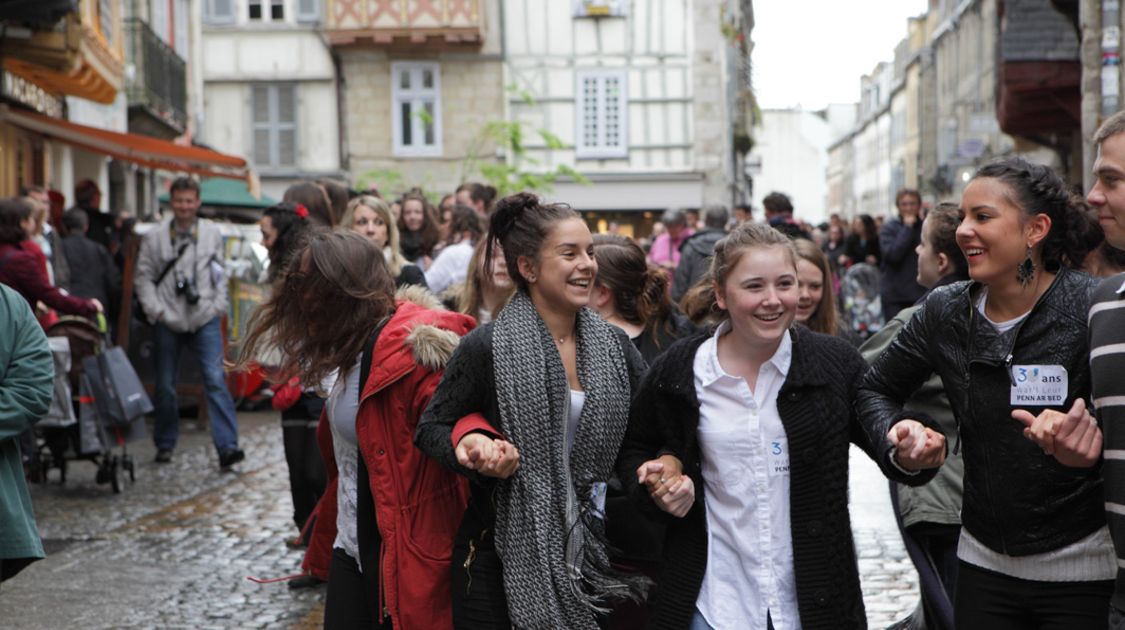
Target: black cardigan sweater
(815, 405)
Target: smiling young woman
(550, 375)
(740, 436)
(1012, 342)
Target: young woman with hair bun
(552, 377)
(738, 441)
(1011, 347)
(633, 295)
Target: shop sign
(27, 93)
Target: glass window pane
(428, 122)
(255, 9)
(407, 126)
(404, 79)
(277, 10)
(590, 111)
(428, 79)
(262, 147)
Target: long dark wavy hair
(334, 292)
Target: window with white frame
(218, 11)
(602, 114)
(266, 10)
(416, 108)
(273, 117)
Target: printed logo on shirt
(778, 457)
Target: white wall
(792, 146)
(232, 60)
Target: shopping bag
(128, 398)
(61, 411)
(89, 432)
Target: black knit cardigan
(815, 405)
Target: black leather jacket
(1018, 501)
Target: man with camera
(182, 290)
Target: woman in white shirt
(741, 435)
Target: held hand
(678, 498)
(489, 457)
(657, 474)
(916, 447)
(1073, 438)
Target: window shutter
(613, 97)
(286, 125)
(308, 10)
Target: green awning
(228, 193)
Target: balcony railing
(393, 23)
(159, 80)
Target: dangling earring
(1025, 272)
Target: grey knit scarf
(549, 534)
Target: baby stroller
(81, 427)
(859, 300)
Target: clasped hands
(1073, 438)
(916, 447)
(669, 487)
(491, 457)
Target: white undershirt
(342, 407)
(577, 401)
(745, 464)
(1003, 327)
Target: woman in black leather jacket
(1012, 342)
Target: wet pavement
(174, 549)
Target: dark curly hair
(521, 223)
(292, 230)
(1039, 190)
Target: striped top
(1107, 368)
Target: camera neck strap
(171, 263)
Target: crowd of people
(494, 418)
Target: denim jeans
(207, 345)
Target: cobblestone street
(174, 549)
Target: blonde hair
(396, 261)
(471, 299)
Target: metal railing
(159, 80)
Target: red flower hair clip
(302, 211)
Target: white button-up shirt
(745, 465)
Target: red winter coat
(24, 268)
(418, 503)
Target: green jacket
(26, 377)
(939, 501)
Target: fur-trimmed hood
(420, 334)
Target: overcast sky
(813, 52)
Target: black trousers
(307, 476)
(350, 602)
(992, 601)
(353, 595)
(479, 602)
